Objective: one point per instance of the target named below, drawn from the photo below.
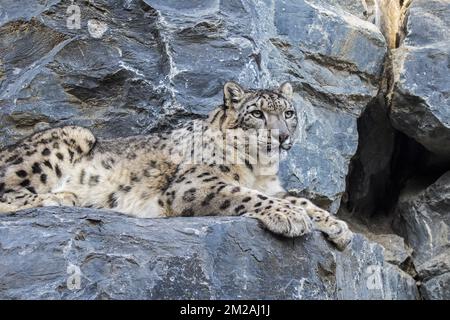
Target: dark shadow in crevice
(386, 160)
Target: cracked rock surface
(421, 97)
(182, 258)
(423, 218)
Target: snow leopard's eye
(289, 114)
(257, 114)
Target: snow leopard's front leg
(336, 230)
(212, 196)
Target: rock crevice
(402, 162)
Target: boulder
(423, 219)
(435, 274)
(420, 101)
(437, 288)
(72, 253)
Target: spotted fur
(153, 176)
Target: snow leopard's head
(272, 110)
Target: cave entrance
(386, 164)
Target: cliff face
(372, 96)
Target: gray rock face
(436, 277)
(421, 103)
(396, 251)
(424, 220)
(116, 257)
(437, 288)
(154, 63)
(363, 9)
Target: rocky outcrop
(398, 182)
(420, 108)
(66, 253)
(420, 102)
(423, 218)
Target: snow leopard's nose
(283, 137)
(285, 141)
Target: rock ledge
(119, 257)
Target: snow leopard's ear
(232, 94)
(286, 90)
